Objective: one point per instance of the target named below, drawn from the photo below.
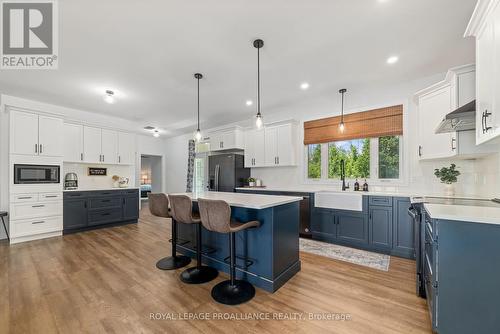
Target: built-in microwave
(36, 174)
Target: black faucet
(342, 175)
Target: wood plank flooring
(105, 281)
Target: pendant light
(342, 125)
(258, 43)
(197, 135)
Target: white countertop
(98, 189)
(305, 189)
(474, 214)
(251, 201)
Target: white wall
(419, 176)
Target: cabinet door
(228, 140)
(352, 228)
(404, 229)
(485, 68)
(495, 114)
(380, 226)
(285, 147)
(73, 142)
(50, 136)
(215, 141)
(431, 111)
(259, 148)
(109, 146)
(250, 148)
(271, 147)
(126, 148)
(323, 223)
(75, 214)
(130, 207)
(24, 133)
(91, 144)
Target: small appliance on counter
(70, 181)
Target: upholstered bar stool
(158, 205)
(216, 217)
(182, 211)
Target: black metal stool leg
(175, 261)
(233, 291)
(5, 228)
(199, 274)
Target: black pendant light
(342, 125)
(258, 43)
(197, 135)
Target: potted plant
(448, 176)
(251, 182)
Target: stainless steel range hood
(462, 119)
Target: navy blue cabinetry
(381, 227)
(404, 229)
(84, 210)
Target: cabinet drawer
(131, 192)
(50, 196)
(106, 216)
(36, 209)
(75, 194)
(110, 202)
(381, 200)
(26, 227)
(20, 198)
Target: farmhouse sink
(338, 200)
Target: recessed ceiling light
(156, 134)
(304, 86)
(109, 96)
(249, 103)
(392, 60)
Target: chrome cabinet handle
(25, 197)
(38, 206)
(38, 222)
(419, 150)
(50, 196)
(41, 148)
(36, 148)
(453, 144)
(486, 115)
(81, 156)
(482, 121)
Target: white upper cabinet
(32, 134)
(434, 103)
(126, 148)
(50, 134)
(73, 142)
(24, 133)
(273, 146)
(92, 144)
(254, 148)
(485, 26)
(109, 146)
(228, 139)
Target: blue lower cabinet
(352, 227)
(323, 223)
(403, 229)
(380, 226)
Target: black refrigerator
(226, 172)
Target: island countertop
(250, 201)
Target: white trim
(481, 10)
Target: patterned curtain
(190, 169)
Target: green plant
(447, 175)
(250, 179)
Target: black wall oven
(36, 174)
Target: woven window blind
(380, 122)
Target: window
(388, 157)
(314, 161)
(356, 155)
(368, 158)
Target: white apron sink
(338, 200)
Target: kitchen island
(273, 247)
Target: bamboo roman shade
(380, 122)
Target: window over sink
(374, 159)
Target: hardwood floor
(105, 281)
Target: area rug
(352, 255)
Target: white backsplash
(86, 181)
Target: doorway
(151, 175)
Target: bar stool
(216, 217)
(158, 205)
(182, 211)
(4, 214)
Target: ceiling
(149, 50)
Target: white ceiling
(149, 51)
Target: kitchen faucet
(342, 175)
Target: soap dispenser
(365, 186)
(356, 185)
